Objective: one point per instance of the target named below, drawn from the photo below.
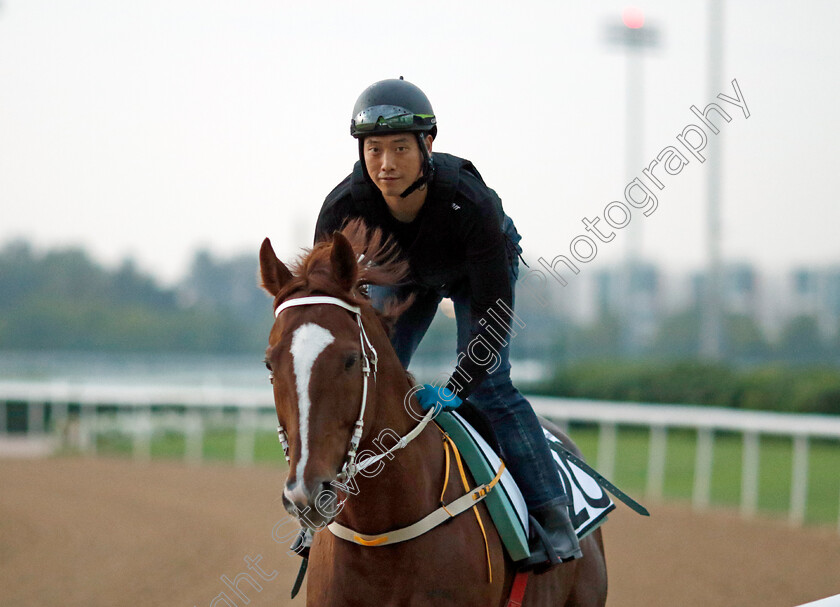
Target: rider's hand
(439, 398)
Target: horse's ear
(273, 273)
(344, 267)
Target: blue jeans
(517, 427)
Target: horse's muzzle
(313, 508)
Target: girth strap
(517, 591)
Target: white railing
(136, 411)
(706, 421)
(140, 412)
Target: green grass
(113, 443)
(218, 445)
(824, 481)
(726, 469)
(169, 445)
(776, 455)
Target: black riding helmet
(395, 106)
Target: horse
(339, 388)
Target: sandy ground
(90, 532)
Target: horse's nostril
(295, 495)
(297, 498)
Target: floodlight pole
(711, 318)
(633, 149)
(633, 38)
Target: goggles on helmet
(390, 117)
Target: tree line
(64, 300)
(773, 387)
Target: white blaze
(308, 341)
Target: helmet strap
(362, 160)
(428, 169)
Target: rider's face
(393, 162)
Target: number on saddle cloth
(590, 503)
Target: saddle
(475, 440)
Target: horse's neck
(406, 486)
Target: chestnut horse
(334, 372)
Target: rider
(459, 244)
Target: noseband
(369, 362)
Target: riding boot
(552, 540)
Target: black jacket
(455, 245)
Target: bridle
(369, 363)
(350, 468)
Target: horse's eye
(350, 360)
(270, 370)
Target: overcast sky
(148, 129)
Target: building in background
(815, 293)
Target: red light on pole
(633, 17)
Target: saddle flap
(505, 503)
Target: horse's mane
(379, 261)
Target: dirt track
(91, 532)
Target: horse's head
(320, 354)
